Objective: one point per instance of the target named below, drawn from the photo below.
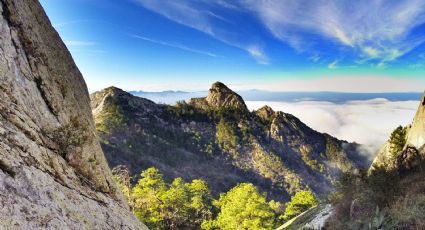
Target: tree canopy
(170, 207)
(183, 205)
(300, 202)
(397, 141)
(243, 207)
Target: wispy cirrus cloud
(70, 43)
(376, 30)
(199, 16)
(83, 46)
(72, 22)
(174, 45)
(333, 65)
(314, 58)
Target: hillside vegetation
(217, 139)
(391, 195)
(184, 205)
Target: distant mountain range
(171, 97)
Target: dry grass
(399, 196)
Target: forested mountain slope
(218, 139)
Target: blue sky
(279, 45)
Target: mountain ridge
(219, 130)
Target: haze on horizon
(273, 45)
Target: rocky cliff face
(411, 152)
(416, 133)
(53, 173)
(217, 139)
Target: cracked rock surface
(53, 174)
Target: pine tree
(397, 141)
(300, 202)
(243, 207)
(147, 198)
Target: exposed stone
(408, 159)
(416, 134)
(265, 112)
(220, 96)
(413, 151)
(53, 173)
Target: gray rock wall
(416, 134)
(53, 174)
(413, 151)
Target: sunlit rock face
(53, 173)
(220, 97)
(265, 112)
(412, 153)
(416, 133)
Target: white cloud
(257, 53)
(314, 58)
(70, 43)
(367, 122)
(374, 29)
(371, 52)
(89, 51)
(378, 29)
(199, 17)
(174, 45)
(333, 65)
(67, 23)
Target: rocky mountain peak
(112, 91)
(416, 133)
(221, 96)
(113, 97)
(265, 112)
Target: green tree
(243, 207)
(397, 141)
(226, 136)
(179, 205)
(147, 197)
(177, 201)
(300, 202)
(201, 201)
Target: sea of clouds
(367, 119)
(367, 122)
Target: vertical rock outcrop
(53, 173)
(416, 133)
(412, 153)
(220, 97)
